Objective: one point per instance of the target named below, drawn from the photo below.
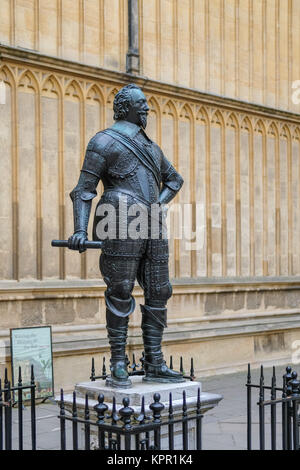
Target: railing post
(126, 412)
(87, 434)
(288, 378)
(33, 414)
(140, 444)
(8, 414)
(171, 424)
(185, 439)
(284, 415)
(101, 409)
(261, 411)
(199, 417)
(104, 374)
(295, 385)
(249, 410)
(156, 409)
(192, 370)
(93, 374)
(114, 420)
(144, 443)
(20, 409)
(1, 417)
(74, 423)
(62, 415)
(273, 411)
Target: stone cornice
(25, 290)
(46, 62)
(93, 338)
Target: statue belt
(126, 192)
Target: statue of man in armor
(131, 166)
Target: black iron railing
(124, 429)
(9, 397)
(138, 368)
(287, 421)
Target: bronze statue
(133, 167)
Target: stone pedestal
(135, 394)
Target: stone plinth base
(147, 390)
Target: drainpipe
(133, 56)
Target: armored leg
(154, 278)
(153, 323)
(119, 275)
(117, 336)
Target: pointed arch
(202, 115)
(169, 109)
(233, 121)
(94, 93)
(7, 75)
(73, 91)
(260, 127)
(51, 85)
(296, 133)
(286, 132)
(153, 104)
(28, 82)
(111, 93)
(273, 129)
(218, 118)
(186, 112)
(246, 124)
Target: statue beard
(143, 119)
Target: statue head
(130, 104)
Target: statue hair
(122, 102)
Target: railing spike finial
(86, 408)
(170, 404)
(295, 384)
(249, 374)
(101, 408)
(62, 402)
(32, 375)
(287, 377)
(126, 413)
(192, 371)
(20, 377)
(274, 377)
(142, 416)
(74, 406)
(199, 400)
(156, 408)
(92, 377)
(181, 365)
(262, 373)
(5, 378)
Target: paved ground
(224, 428)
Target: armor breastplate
(125, 172)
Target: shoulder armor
(100, 143)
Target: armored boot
(117, 327)
(156, 370)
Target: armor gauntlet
(82, 197)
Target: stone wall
(244, 49)
(237, 283)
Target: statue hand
(76, 241)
